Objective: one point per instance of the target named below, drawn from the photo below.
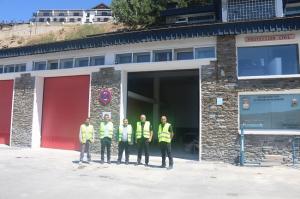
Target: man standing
(124, 138)
(106, 134)
(165, 136)
(86, 137)
(143, 136)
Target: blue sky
(23, 9)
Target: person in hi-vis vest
(106, 130)
(124, 139)
(143, 136)
(86, 137)
(165, 136)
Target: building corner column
(22, 119)
(219, 126)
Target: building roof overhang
(158, 34)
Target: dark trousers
(143, 143)
(85, 147)
(165, 148)
(123, 146)
(105, 143)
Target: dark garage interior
(171, 93)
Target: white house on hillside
(98, 14)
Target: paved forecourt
(46, 173)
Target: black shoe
(146, 165)
(170, 167)
(137, 164)
(108, 162)
(102, 162)
(127, 162)
(163, 166)
(118, 162)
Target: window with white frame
(141, 57)
(270, 111)
(41, 65)
(20, 67)
(9, 68)
(123, 58)
(66, 63)
(268, 60)
(97, 61)
(81, 62)
(52, 64)
(205, 52)
(184, 54)
(162, 55)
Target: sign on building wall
(269, 37)
(105, 96)
(272, 111)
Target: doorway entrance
(171, 93)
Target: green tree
(143, 13)
(136, 12)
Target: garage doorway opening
(171, 93)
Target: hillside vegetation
(66, 32)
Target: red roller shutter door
(6, 96)
(65, 107)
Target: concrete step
(272, 160)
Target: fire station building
(211, 71)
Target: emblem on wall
(246, 104)
(105, 96)
(294, 102)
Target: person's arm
(151, 133)
(171, 130)
(99, 132)
(134, 135)
(114, 133)
(80, 135)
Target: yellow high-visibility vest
(164, 135)
(129, 132)
(146, 130)
(86, 132)
(110, 129)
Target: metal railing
(242, 159)
(296, 150)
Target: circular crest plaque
(105, 96)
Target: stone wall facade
(220, 128)
(21, 135)
(219, 123)
(106, 78)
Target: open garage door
(65, 107)
(6, 95)
(171, 93)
